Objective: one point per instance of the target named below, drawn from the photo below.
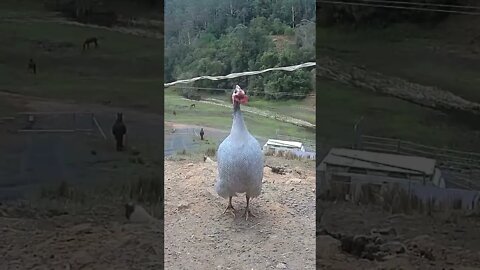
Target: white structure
(377, 168)
(279, 145)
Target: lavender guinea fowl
(240, 159)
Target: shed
(364, 166)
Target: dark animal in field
(88, 41)
(192, 106)
(32, 66)
(119, 130)
(201, 134)
(174, 113)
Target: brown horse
(88, 41)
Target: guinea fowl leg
(247, 210)
(230, 207)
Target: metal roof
(284, 143)
(380, 161)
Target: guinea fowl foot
(230, 209)
(248, 213)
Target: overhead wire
(398, 7)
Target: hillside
(219, 38)
(125, 70)
(444, 55)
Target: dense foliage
(218, 37)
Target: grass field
(439, 57)
(340, 106)
(402, 51)
(220, 117)
(125, 69)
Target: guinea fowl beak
(239, 96)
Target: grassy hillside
(442, 56)
(445, 56)
(125, 69)
(220, 117)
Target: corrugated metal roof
(380, 161)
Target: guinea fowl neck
(238, 123)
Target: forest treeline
(218, 37)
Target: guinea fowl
(240, 160)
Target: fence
(460, 168)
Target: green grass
(340, 106)
(220, 117)
(125, 69)
(293, 108)
(405, 51)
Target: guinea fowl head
(239, 96)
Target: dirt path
(198, 236)
(179, 137)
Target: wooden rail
(461, 167)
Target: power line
(229, 90)
(249, 91)
(399, 7)
(421, 4)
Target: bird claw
(232, 210)
(247, 214)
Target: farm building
(296, 148)
(355, 165)
(417, 176)
(280, 145)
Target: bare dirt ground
(198, 236)
(442, 242)
(97, 238)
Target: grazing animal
(119, 130)
(240, 160)
(174, 113)
(88, 41)
(201, 134)
(192, 106)
(32, 66)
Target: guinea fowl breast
(240, 160)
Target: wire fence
(415, 7)
(55, 122)
(250, 92)
(459, 167)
